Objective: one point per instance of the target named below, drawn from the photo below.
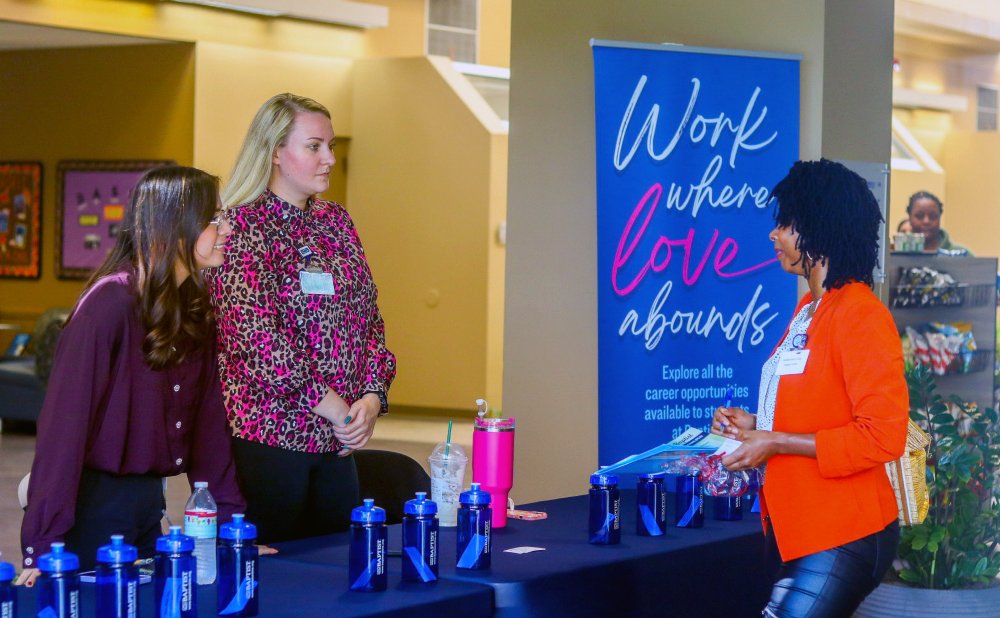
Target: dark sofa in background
(23, 378)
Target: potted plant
(949, 563)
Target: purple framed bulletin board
(20, 218)
(89, 212)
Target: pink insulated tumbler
(493, 462)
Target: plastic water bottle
(201, 518)
(173, 581)
(474, 522)
(689, 503)
(605, 525)
(8, 593)
(238, 594)
(59, 583)
(117, 580)
(420, 539)
(651, 505)
(368, 546)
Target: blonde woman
(303, 359)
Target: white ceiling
(24, 36)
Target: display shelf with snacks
(945, 308)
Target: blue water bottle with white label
(238, 594)
(117, 579)
(420, 539)
(605, 510)
(368, 548)
(474, 518)
(59, 584)
(689, 501)
(8, 593)
(174, 580)
(651, 505)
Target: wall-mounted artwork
(20, 219)
(91, 206)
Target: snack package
(925, 287)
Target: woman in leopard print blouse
(303, 359)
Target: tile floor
(413, 436)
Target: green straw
(447, 444)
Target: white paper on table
(523, 550)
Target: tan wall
(423, 191)
(972, 206)
(407, 31)
(406, 34)
(95, 103)
(550, 352)
(232, 82)
(494, 32)
(179, 22)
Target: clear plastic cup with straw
(447, 462)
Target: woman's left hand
(757, 448)
(355, 435)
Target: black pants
(831, 583)
(130, 505)
(293, 495)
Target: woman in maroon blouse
(134, 392)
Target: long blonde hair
(268, 130)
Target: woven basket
(908, 476)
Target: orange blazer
(853, 396)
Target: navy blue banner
(691, 300)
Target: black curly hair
(836, 216)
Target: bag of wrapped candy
(715, 478)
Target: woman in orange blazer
(833, 403)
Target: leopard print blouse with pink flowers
(281, 348)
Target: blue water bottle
(59, 584)
(474, 518)
(8, 593)
(651, 505)
(368, 547)
(727, 508)
(237, 559)
(117, 580)
(174, 580)
(420, 539)
(688, 502)
(605, 510)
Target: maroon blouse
(107, 410)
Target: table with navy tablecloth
(717, 570)
(302, 590)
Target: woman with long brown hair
(134, 392)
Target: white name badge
(792, 362)
(316, 283)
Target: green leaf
(980, 566)
(910, 576)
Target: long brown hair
(167, 210)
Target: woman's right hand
(27, 577)
(732, 422)
(333, 408)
